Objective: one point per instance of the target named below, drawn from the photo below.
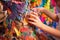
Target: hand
(34, 19)
(3, 16)
(38, 9)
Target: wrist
(40, 25)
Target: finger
(31, 19)
(34, 13)
(31, 22)
(33, 16)
(38, 10)
(34, 9)
(27, 16)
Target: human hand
(38, 10)
(34, 19)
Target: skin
(17, 1)
(34, 20)
(3, 14)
